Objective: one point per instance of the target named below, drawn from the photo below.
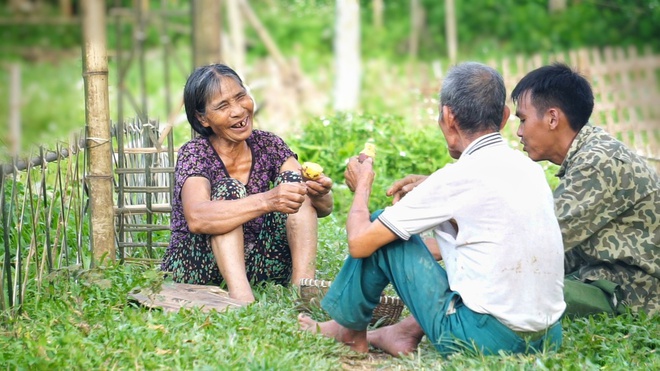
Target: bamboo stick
(268, 41)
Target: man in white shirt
(492, 215)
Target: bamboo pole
(97, 112)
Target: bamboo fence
(45, 220)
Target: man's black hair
(557, 85)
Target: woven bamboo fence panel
(626, 91)
(144, 167)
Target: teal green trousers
(423, 286)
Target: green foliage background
(306, 28)
(486, 28)
(53, 89)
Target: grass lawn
(83, 320)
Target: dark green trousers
(589, 298)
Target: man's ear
(448, 118)
(553, 115)
(505, 116)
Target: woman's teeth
(241, 124)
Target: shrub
(402, 149)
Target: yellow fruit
(369, 150)
(311, 170)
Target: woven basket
(387, 312)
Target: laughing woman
(241, 211)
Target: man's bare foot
(400, 338)
(356, 340)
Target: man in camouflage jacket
(607, 202)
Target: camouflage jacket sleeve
(586, 200)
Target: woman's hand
(401, 187)
(286, 197)
(319, 187)
(320, 193)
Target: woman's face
(230, 112)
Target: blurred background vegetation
(486, 28)
(47, 44)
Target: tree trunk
(555, 6)
(378, 13)
(66, 8)
(97, 112)
(347, 55)
(415, 27)
(450, 28)
(237, 36)
(206, 20)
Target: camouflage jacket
(608, 206)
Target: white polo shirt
(506, 257)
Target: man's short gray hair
(476, 95)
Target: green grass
(84, 320)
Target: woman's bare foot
(356, 340)
(245, 297)
(400, 338)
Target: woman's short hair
(202, 85)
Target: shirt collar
(483, 142)
(582, 136)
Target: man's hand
(359, 174)
(401, 187)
